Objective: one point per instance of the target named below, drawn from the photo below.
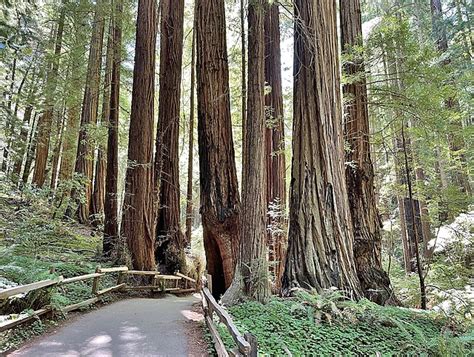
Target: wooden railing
(246, 345)
(159, 284)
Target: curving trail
(166, 326)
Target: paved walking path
(134, 327)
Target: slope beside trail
(167, 326)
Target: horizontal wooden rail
(8, 324)
(80, 278)
(112, 270)
(142, 272)
(212, 306)
(4, 294)
(84, 303)
(186, 277)
(113, 288)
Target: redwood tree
(138, 222)
(275, 146)
(170, 239)
(366, 222)
(45, 120)
(111, 179)
(85, 153)
(220, 203)
(320, 236)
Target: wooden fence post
(252, 340)
(95, 283)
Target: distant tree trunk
(70, 144)
(170, 241)
(244, 70)
(320, 240)
(251, 277)
(30, 150)
(57, 149)
(220, 202)
(45, 120)
(189, 193)
(85, 153)
(366, 222)
(98, 193)
(111, 182)
(275, 147)
(455, 129)
(9, 125)
(138, 221)
(23, 141)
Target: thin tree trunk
(70, 144)
(45, 120)
(23, 141)
(320, 240)
(244, 71)
(9, 125)
(170, 241)
(366, 222)
(111, 182)
(85, 153)
(138, 221)
(98, 193)
(275, 148)
(57, 149)
(30, 151)
(220, 202)
(189, 193)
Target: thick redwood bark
(85, 153)
(253, 263)
(366, 222)
(170, 239)
(111, 199)
(45, 120)
(98, 193)
(320, 241)
(274, 148)
(189, 189)
(220, 203)
(138, 222)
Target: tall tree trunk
(138, 221)
(70, 144)
(90, 104)
(320, 240)
(45, 120)
(57, 149)
(251, 277)
(170, 239)
(244, 70)
(189, 191)
(23, 141)
(220, 202)
(111, 195)
(30, 150)
(366, 222)
(275, 147)
(9, 125)
(98, 193)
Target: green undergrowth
(315, 325)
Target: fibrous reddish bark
(220, 203)
(85, 153)
(366, 222)
(274, 147)
(320, 240)
(111, 181)
(45, 120)
(138, 221)
(170, 242)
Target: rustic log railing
(246, 345)
(159, 285)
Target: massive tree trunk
(138, 221)
(243, 59)
(189, 189)
(366, 222)
(320, 240)
(45, 120)
(170, 241)
(85, 153)
(220, 203)
(251, 277)
(98, 193)
(275, 147)
(111, 199)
